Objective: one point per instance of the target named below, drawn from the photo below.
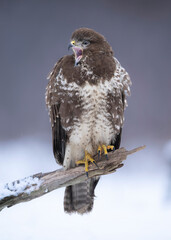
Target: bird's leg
(86, 160)
(104, 148)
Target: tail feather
(80, 197)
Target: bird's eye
(85, 42)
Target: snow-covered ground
(130, 203)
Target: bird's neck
(98, 65)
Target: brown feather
(68, 107)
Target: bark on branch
(42, 183)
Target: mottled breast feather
(66, 85)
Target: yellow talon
(80, 162)
(86, 160)
(104, 149)
(110, 147)
(99, 150)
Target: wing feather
(59, 136)
(121, 76)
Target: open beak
(78, 51)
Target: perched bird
(86, 98)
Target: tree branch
(42, 183)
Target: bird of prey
(86, 98)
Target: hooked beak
(70, 46)
(78, 51)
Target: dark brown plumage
(86, 97)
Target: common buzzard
(86, 98)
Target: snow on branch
(39, 184)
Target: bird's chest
(94, 101)
(94, 125)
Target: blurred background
(133, 203)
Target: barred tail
(80, 197)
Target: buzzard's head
(85, 42)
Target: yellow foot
(86, 160)
(104, 148)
